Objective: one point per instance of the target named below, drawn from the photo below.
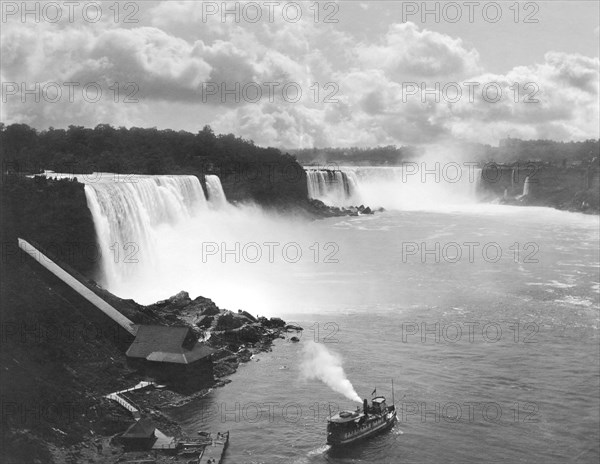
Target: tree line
(121, 150)
(508, 151)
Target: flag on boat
(374, 391)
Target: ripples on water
(546, 388)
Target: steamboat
(350, 426)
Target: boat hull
(369, 432)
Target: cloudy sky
(308, 74)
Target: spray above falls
(320, 363)
(408, 187)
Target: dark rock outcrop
(53, 214)
(199, 312)
(247, 315)
(290, 327)
(321, 210)
(276, 323)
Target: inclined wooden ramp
(76, 285)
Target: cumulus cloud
(555, 99)
(407, 51)
(161, 65)
(353, 91)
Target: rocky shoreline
(66, 372)
(321, 210)
(236, 336)
(572, 189)
(583, 202)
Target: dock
(213, 453)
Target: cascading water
(149, 253)
(216, 195)
(403, 187)
(333, 187)
(160, 235)
(526, 187)
(128, 211)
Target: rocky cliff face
(280, 183)
(568, 188)
(53, 214)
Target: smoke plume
(320, 363)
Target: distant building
(171, 355)
(139, 436)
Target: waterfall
(216, 195)
(526, 186)
(129, 210)
(411, 186)
(333, 187)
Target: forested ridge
(247, 171)
(508, 151)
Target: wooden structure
(141, 435)
(78, 286)
(172, 355)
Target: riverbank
(59, 363)
(574, 189)
(586, 202)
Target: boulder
(249, 333)
(204, 306)
(205, 322)
(297, 328)
(247, 315)
(318, 204)
(276, 323)
(179, 301)
(228, 321)
(244, 355)
(222, 353)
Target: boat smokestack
(365, 406)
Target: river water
(485, 316)
(491, 338)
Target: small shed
(172, 355)
(140, 435)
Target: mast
(393, 402)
